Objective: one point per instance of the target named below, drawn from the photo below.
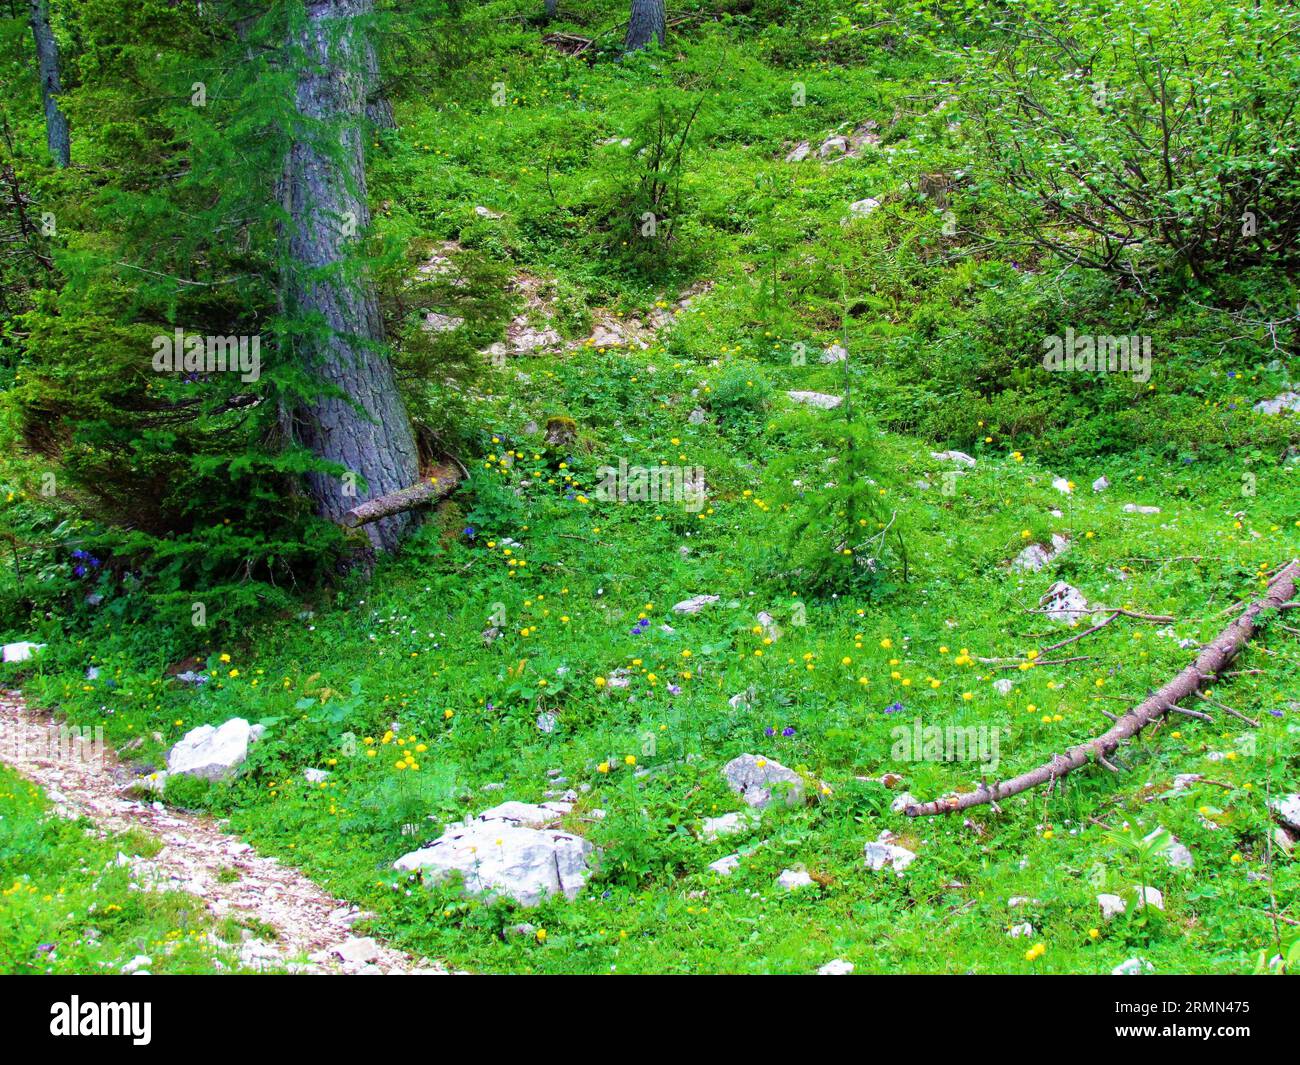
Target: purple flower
(46, 948)
(893, 708)
(769, 731)
(470, 531)
(80, 571)
(674, 689)
(1276, 713)
(788, 730)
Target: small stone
(799, 152)
(862, 208)
(757, 780)
(882, 853)
(1062, 485)
(1100, 484)
(959, 457)
(316, 776)
(695, 604)
(1132, 967)
(1134, 508)
(136, 964)
(790, 879)
(903, 801)
(21, 651)
(1287, 401)
(357, 951)
(728, 825)
(833, 146)
(816, 399)
(726, 866)
(1020, 931)
(1286, 809)
(838, 967)
(1112, 906)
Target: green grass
(67, 906)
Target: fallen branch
(438, 485)
(1209, 664)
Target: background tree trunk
(326, 194)
(47, 65)
(551, 5)
(646, 23)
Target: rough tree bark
(367, 429)
(1212, 660)
(645, 24)
(47, 66)
(551, 6)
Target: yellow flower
(886, 643)
(603, 767)
(600, 682)
(630, 760)
(225, 658)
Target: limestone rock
(758, 780)
(210, 753)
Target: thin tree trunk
(646, 24)
(366, 430)
(551, 5)
(1213, 660)
(47, 65)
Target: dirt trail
(312, 929)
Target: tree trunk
(646, 23)
(47, 65)
(551, 5)
(366, 430)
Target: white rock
(211, 753)
(140, 961)
(1286, 809)
(316, 776)
(1020, 931)
(833, 146)
(530, 815)
(726, 866)
(728, 825)
(959, 457)
(833, 354)
(1148, 896)
(500, 858)
(1111, 906)
(484, 212)
(1176, 853)
(22, 651)
(1132, 967)
(790, 879)
(1286, 401)
(1003, 686)
(900, 804)
(838, 967)
(1062, 485)
(1016, 901)
(1100, 484)
(757, 779)
(695, 604)
(1036, 556)
(1064, 602)
(799, 152)
(882, 853)
(357, 950)
(1134, 508)
(816, 399)
(862, 208)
